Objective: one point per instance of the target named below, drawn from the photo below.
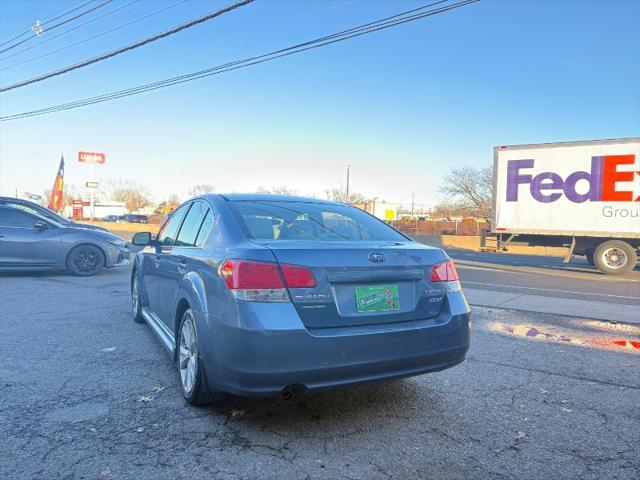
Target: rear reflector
(296, 276)
(444, 272)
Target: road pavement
(546, 285)
(87, 393)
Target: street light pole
(347, 190)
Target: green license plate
(377, 298)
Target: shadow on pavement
(358, 404)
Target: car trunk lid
(362, 283)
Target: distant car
(262, 295)
(112, 218)
(34, 208)
(29, 241)
(134, 218)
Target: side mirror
(142, 239)
(41, 225)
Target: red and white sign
(91, 157)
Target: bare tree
(278, 190)
(168, 205)
(339, 194)
(133, 195)
(449, 210)
(471, 188)
(201, 189)
(69, 193)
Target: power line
(129, 47)
(29, 30)
(319, 42)
(371, 27)
(64, 22)
(72, 29)
(327, 37)
(111, 30)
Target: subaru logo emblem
(377, 257)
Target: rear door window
(267, 220)
(167, 235)
(191, 225)
(205, 228)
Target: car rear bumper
(250, 361)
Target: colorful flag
(55, 202)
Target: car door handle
(2, 235)
(157, 262)
(182, 267)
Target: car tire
(193, 382)
(615, 257)
(136, 303)
(85, 260)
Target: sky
(402, 106)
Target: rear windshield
(267, 220)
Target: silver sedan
(32, 242)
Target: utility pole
(346, 200)
(91, 201)
(413, 201)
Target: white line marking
(555, 271)
(552, 291)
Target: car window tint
(12, 217)
(267, 220)
(205, 228)
(345, 226)
(191, 225)
(45, 212)
(167, 235)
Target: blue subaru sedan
(267, 295)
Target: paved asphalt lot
(86, 393)
(535, 274)
(546, 285)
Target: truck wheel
(589, 255)
(615, 257)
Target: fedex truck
(582, 195)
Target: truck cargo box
(573, 189)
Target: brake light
(264, 281)
(296, 276)
(250, 275)
(444, 272)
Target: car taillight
(444, 272)
(250, 275)
(296, 276)
(263, 281)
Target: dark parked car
(112, 218)
(134, 218)
(261, 295)
(34, 208)
(29, 241)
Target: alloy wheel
(188, 355)
(86, 260)
(135, 299)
